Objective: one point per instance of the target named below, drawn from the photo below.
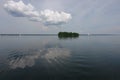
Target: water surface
(51, 58)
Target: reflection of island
(66, 35)
(27, 57)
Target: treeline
(68, 34)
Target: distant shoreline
(57, 34)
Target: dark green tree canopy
(68, 34)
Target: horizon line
(87, 34)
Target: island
(68, 35)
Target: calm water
(51, 58)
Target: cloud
(54, 17)
(19, 9)
(47, 17)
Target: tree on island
(68, 35)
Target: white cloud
(54, 17)
(19, 9)
(47, 17)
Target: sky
(52, 16)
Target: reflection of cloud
(27, 58)
(56, 53)
(20, 59)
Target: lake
(51, 58)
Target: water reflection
(56, 53)
(22, 58)
(68, 37)
(27, 57)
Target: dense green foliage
(68, 34)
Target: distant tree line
(68, 34)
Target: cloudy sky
(52, 16)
